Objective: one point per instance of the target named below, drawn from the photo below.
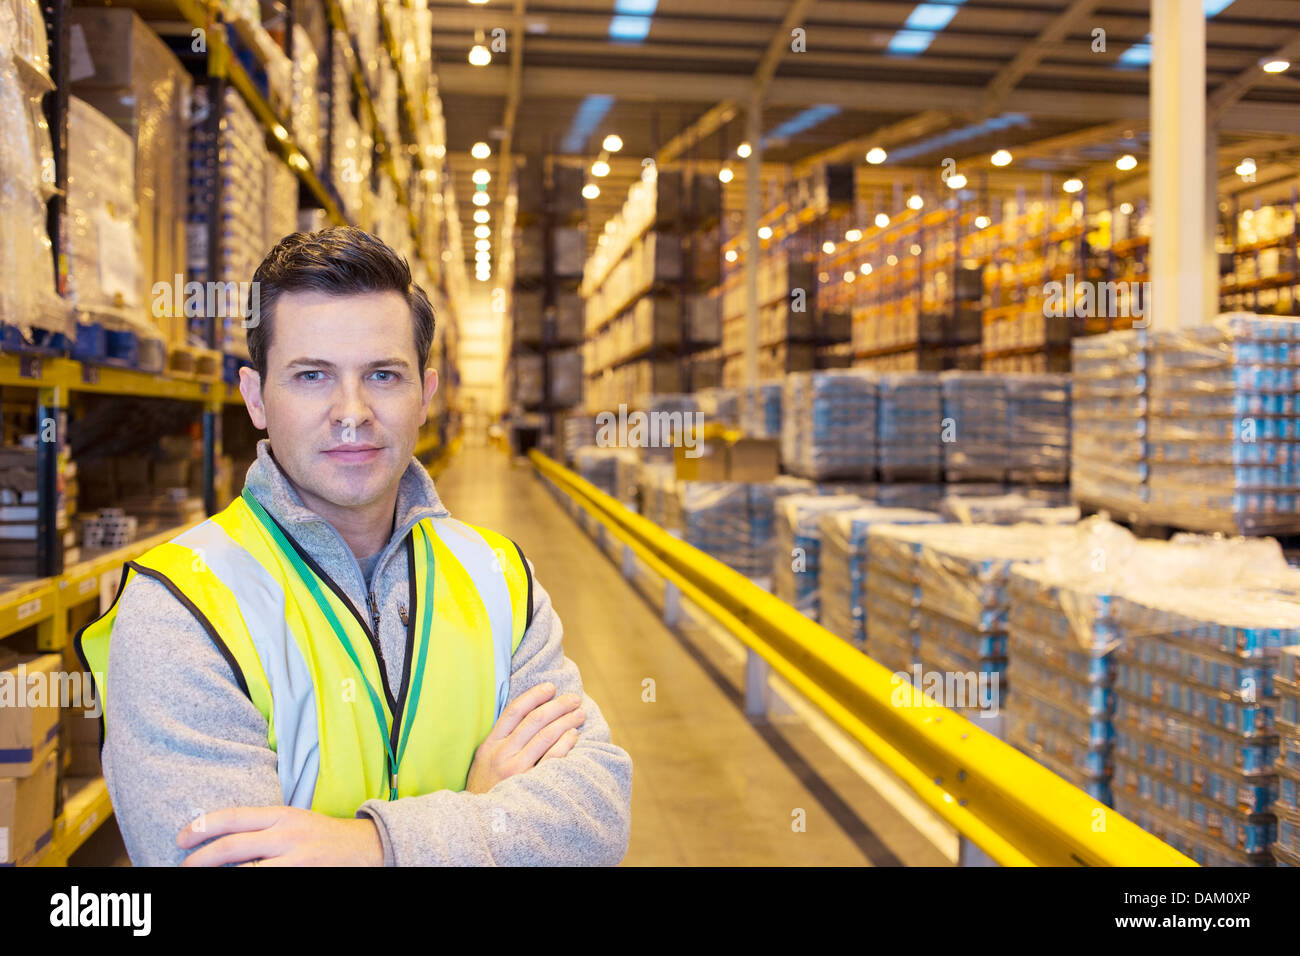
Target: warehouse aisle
(709, 787)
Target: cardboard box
(753, 459)
(29, 721)
(707, 461)
(27, 811)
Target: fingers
(568, 740)
(231, 820)
(540, 717)
(235, 848)
(519, 708)
(549, 735)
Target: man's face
(343, 399)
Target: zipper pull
(374, 610)
(401, 613)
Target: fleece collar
(417, 498)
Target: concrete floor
(710, 787)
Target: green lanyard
(308, 578)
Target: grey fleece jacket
(183, 739)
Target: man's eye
(302, 376)
(391, 376)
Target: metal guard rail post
(1000, 799)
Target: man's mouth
(352, 453)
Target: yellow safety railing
(1006, 803)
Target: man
(256, 715)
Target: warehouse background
(938, 282)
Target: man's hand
(531, 729)
(280, 836)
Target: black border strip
(528, 621)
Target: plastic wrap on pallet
(797, 561)
(763, 497)
(974, 426)
(103, 234)
(28, 299)
(676, 413)
(579, 430)
(908, 426)
(657, 482)
(965, 603)
(1038, 427)
(600, 466)
(720, 406)
(1224, 425)
(1108, 419)
(1202, 628)
(760, 410)
(715, 519)
(828, 427)
(1005, 509)
(842, 582)
(892, 594)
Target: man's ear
(430, 386)
(250, 386)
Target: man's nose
(350, 405)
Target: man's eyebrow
(323, 363)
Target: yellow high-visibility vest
(307, 659)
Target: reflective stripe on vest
(244, 591)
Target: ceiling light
(480, 150)
(876, 156)
(1001, 158)
(850, 276)
(1246, 167)
(915, 201)
(882, 220)
(731, 255)
(479, 55)
(482, 215)
(892, 260)
(600, 168)
(981, 222)
(853, 235)
(1277, 66)
(914, 249)
(725, 174)
(482, 177)
(478, 2)
(612, 143)
(483, 255)
(483, 245)
(590, 191)
(481, 199)
(956, 181)
(743, 150)
(828, 247)
(1126, 208)
(482, 232)
(865, 268)
(765, 232)
(1126, 162)
(602, 240)
(1072, 185)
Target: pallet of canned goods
(1108, 420)
(797, 563)
(1225, 427)
(828, 425)
(842, 585)
(1196, 743)
(908, 423)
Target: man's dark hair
(341, 260)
